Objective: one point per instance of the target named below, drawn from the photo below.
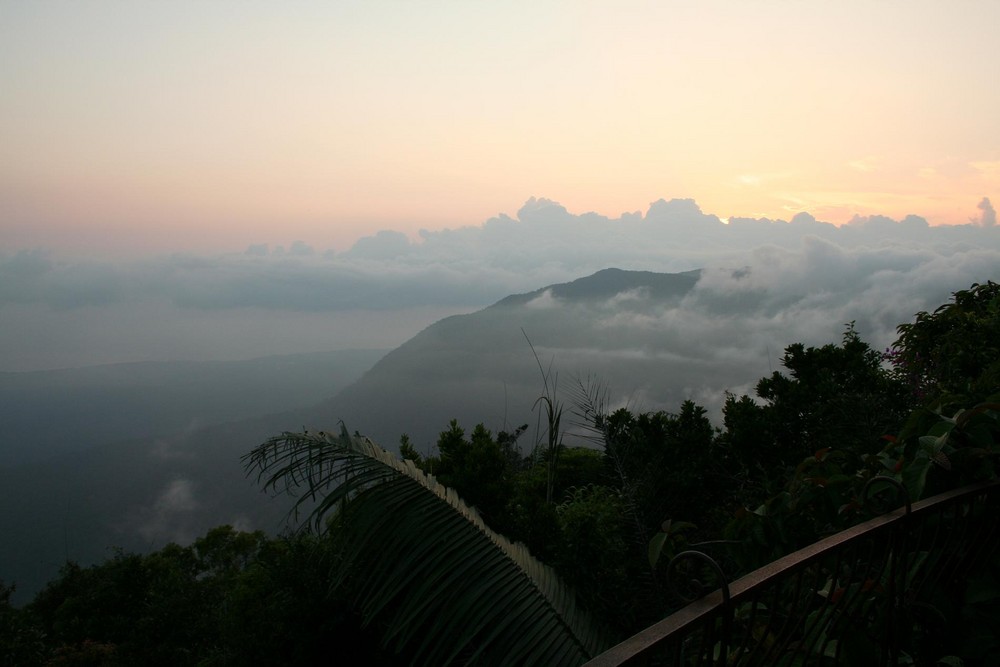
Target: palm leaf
(424, 566)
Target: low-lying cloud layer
(57, 311)
(733, 326)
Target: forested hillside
(390, 568)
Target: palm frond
(446, 588)
(591, 399)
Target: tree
(21, 642)
(658, 467)
(951, 360)
(231, 598)
(479, 470)
(832, 397)
(482, 469)
(593, 553)
(955, 350)
(659, 461)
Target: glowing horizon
(188, 126)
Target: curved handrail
(719, 601)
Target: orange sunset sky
(131, 127)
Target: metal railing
(871, 594)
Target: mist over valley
(135, 455)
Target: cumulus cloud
(449, 271)
(988, 217)
(384, 245)
(468, 266)
(679, 212)
(256, 250)
(300, 249)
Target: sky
(228, 180)
(234, 179)
(140, 128)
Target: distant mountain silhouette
(142, 490)
(480, 368)
(609, 282)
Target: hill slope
(653, 339)
(480, 367)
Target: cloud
(639, 294)
(464, 267)
(31, 276)
(52, 302)
(756, 180)
(544, 211)
(732, 327)
(988, 169)
(300, 249)
(544, 301)
(257, 250)
(865, 165)
(988, 217)
(168, 518)
(679, 212)
(384, 245)
(177, 497)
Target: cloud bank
(274, 300)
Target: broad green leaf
(656, 547)
(915, 477)
(425, 567)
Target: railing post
(897, 555)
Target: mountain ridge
(653, 340)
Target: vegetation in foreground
(391, 569)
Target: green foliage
(955, 350)
(951, 441)
(400, 569)
(531, 518)
(408, 452)
(819, 499)
(944, 446)
(662, 463)
(553, 434)
(479, 469)
(579, 467)
(553, 424)
(593, 554)
(21, 641)
(951, 360)
(669, 541)
(232, 598)
(662, 466)
(420, 563)
(836, 397)
(482, 469)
